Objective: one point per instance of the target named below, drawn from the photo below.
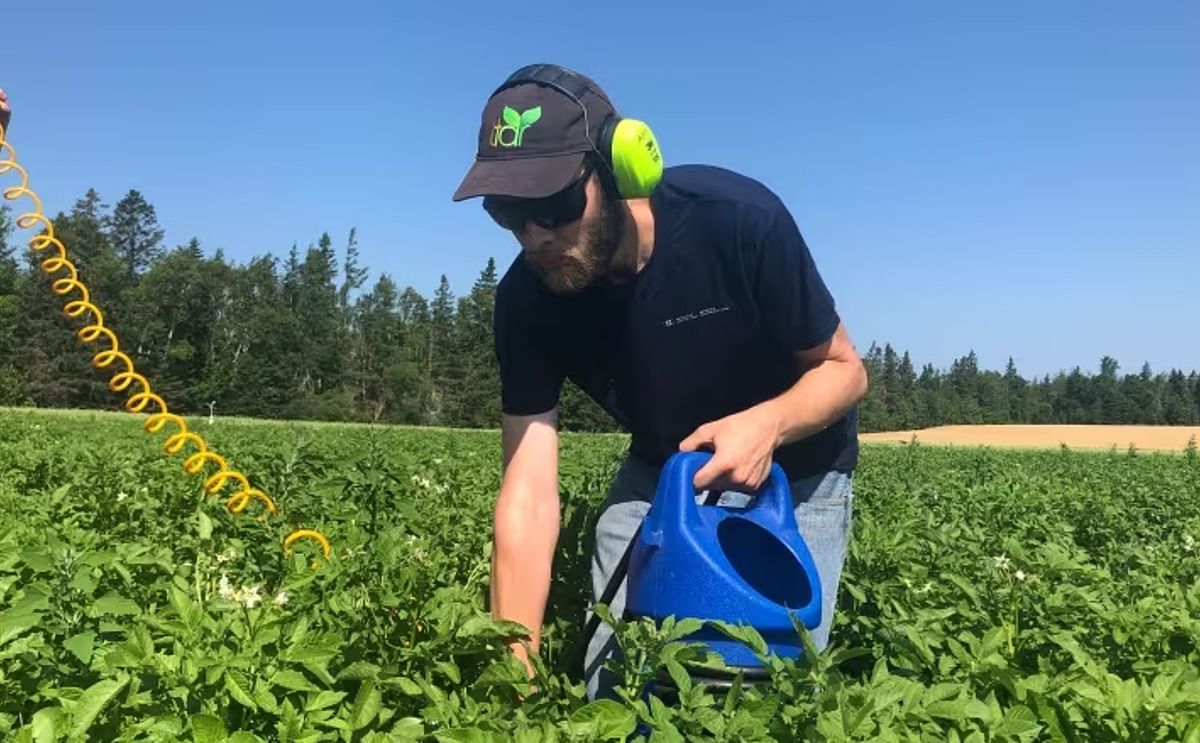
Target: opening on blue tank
(764, 562)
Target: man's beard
(590, 257)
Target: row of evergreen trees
(306, 336)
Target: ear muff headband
(626, 147)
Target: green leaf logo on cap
(509, 130)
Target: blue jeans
(824, 505)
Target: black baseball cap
(533, 140)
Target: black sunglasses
(549, 213)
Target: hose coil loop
(127, 376)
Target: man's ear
(608, 182)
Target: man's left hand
(5, 110)
(743, 445)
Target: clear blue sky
(1017, 177)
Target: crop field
(1152, 438)
(989, 595)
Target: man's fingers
(699, 437)
(714, 473)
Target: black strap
(550, 74)
(576, 658)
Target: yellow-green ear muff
(626, 147)
(636, 159)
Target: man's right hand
(5, 110)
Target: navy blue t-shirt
(707, 328)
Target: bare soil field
(1160, 438)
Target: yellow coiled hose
(121, 381)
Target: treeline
(309, 336)
(901, 398)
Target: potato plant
(989, 596)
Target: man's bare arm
(833, 381)
(526, 522)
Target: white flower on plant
(224, 589)
(226, 556)
(1021, 575)
(281, 598)
(1189, 543)
(250, 597)
(122, 495)
(1002, 562)
(422, 481)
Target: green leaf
(326, 698)
(206, 526)
(408, 729)
(208, 729)
(919, 644)
(92, 702)
(83, 580)
(293, 680)
(683, 628)
(239, 688)
(511, 117)
(465, 735)
(528, 118)
(965, 587)
(59, 493)
(183, 605)
(1087, 690)
(603, 719)
(321, 671)
(743, 633)
(478, 627)
(1192, 735)
(450, 670)
(309, 652)
(366, 705)
(81, 646)
(116, 604)
(37, 560)
(957, 709)
(359, 670)
(407, 685)
(679, 675)
(265, 699)
(24, 614)
(13, 627)
(48, 724)
(1018, 722)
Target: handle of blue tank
(675, 502)
(774, 500)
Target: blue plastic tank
(740, 565)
